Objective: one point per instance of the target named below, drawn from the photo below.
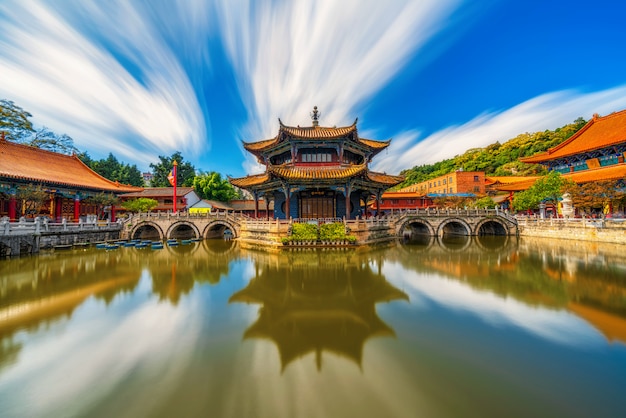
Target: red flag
(171, 178)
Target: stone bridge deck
(433, 222)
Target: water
(487, 327)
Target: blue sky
(147, 78)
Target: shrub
(332, 231)
(304, 232)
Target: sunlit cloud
(69, 70)
(548, 111)
(290, 56)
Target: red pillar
(76, 208)
(267, 207)
(287, 215)
(256, 206)
(347, 204)
(12, 207)
(58, 208)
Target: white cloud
(548, 111)
(73, 84)
(290, 56)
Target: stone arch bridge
(162, 226)
(429, 222)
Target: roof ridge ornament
(315, 115)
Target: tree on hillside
(212, 186)
(14, 121)
(186, 171)
(546, 189)
(114, 170)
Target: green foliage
(46, 139)
(186, 172)
(212, 186)
(14, 121)
(484, 203)
(332, 231)
(114, 170)
(546, 189)
(595, 195)
(142, 204)
(304, 232)
(497, 159)
(33, 197)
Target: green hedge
(304, 232)
(332, 231)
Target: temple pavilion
(316, 172)
(69, 184)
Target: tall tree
(186, 171)
(44, 138)
(14, 121)
(212, 186)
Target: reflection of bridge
(442, 222)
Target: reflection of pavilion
(323, 305)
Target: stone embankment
(596, 230)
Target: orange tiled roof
(489, 180)
(30, 164)
(599, 132)
(316, 172)
(151, 192)
(611, 172)
(249, 181)
(314, 132)
(383, 178)
(401, 195)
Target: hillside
(497, 159)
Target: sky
(143, 79)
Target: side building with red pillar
(36, 182)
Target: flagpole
(175, 180)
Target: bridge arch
(491, 226)
(217, 229)
(147, 230)
(454, 226)
(183, 230)
(415, 226)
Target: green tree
(33, 198)
(212, 186)
(101, 200)
(142, 204)
(186, 171)
(44, 138)
(595, 195)
(546, 189)
(14, 121)
(484, 203)
(114, 170)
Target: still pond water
(490, 327)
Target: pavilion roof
(299, 172)
(384, 178)
(249, 181)
(402, 195)
(29, 164)
(321, 133)
(599, 132)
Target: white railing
(42, 225)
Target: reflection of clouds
(60, 366)
(554, 325)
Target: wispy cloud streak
(68, 68)
(289, 56)
(548, 111)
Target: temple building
(316, 172)
(67, 188)
(594, 153)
